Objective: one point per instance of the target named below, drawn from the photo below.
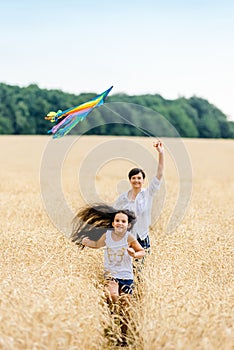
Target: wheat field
(52, 293)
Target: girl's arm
(135, 249)
(94, 244)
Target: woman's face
(137, 181)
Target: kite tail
(72, 116)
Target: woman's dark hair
(93, 220)
(136, 171)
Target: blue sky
(172, 48)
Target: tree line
(22, 111)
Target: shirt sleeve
(118, 204)
(154, 186)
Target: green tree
(22, 111)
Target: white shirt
(141, 206)
(117, 261)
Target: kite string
(130, 123)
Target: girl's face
(137, 181)
(120, 223)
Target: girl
(100, 226)
(104, 226)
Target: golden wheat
(51, 293)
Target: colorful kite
(72, 116)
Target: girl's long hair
(92, 221)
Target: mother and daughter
(122, 229)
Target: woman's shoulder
(122, 197)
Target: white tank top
(117, 261)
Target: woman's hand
(159, 146)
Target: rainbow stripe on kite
(72, 116)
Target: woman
(140, 200)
